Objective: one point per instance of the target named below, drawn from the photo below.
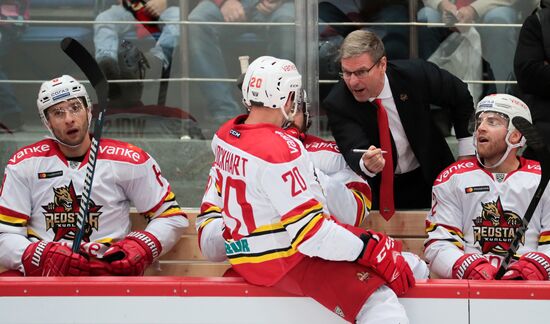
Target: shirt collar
(386, 90)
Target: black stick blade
(534, 141)
(533, 137)
(88, 65)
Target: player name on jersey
(230, 162)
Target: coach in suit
(396, 96)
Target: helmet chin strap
(509, 147)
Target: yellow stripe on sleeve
(263, 258)
(319, 217)
(296, 218)
(14, 221)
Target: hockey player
(478, 204)
(263, 196)
(42, 186)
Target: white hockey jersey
(475, 211)
(347, 196)
(263, 195)
(40, 196)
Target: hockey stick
(89, 66)
(536, 142)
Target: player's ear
(515, 137)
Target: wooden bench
(185, 259)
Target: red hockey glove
(50, 259)
(132, 255)
(383, 254)
(531, 266)
(473, 266)
(100, 267)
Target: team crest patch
(48, 175)
(495, 228)
(476, 189)
(61, 214)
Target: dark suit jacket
(532, 73)
(415, 84)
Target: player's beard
(491, 151)
(74, 139)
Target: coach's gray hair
(359, 42)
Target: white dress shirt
(406, 160)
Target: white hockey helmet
(58, 90)
(509, 107)
(506, 105)
(269, 82)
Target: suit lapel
(365, 112)
(405, 107)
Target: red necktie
(386, 205)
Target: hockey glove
(100, 267)
(383, 254)
(50, 259)
(132, 255)
(531, 266)
(473, 266)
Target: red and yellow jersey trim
(12, 218)
(307, 231)
(312, 207)
(266, 256)
(544, 238)
(363, 205)
(173, 209)
(455, 232)
(306, 209)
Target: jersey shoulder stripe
(315, 144)
(530, 166)
(110, 149)
(11, 217)
(264, 141)
(43, 148)
(458, 167)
